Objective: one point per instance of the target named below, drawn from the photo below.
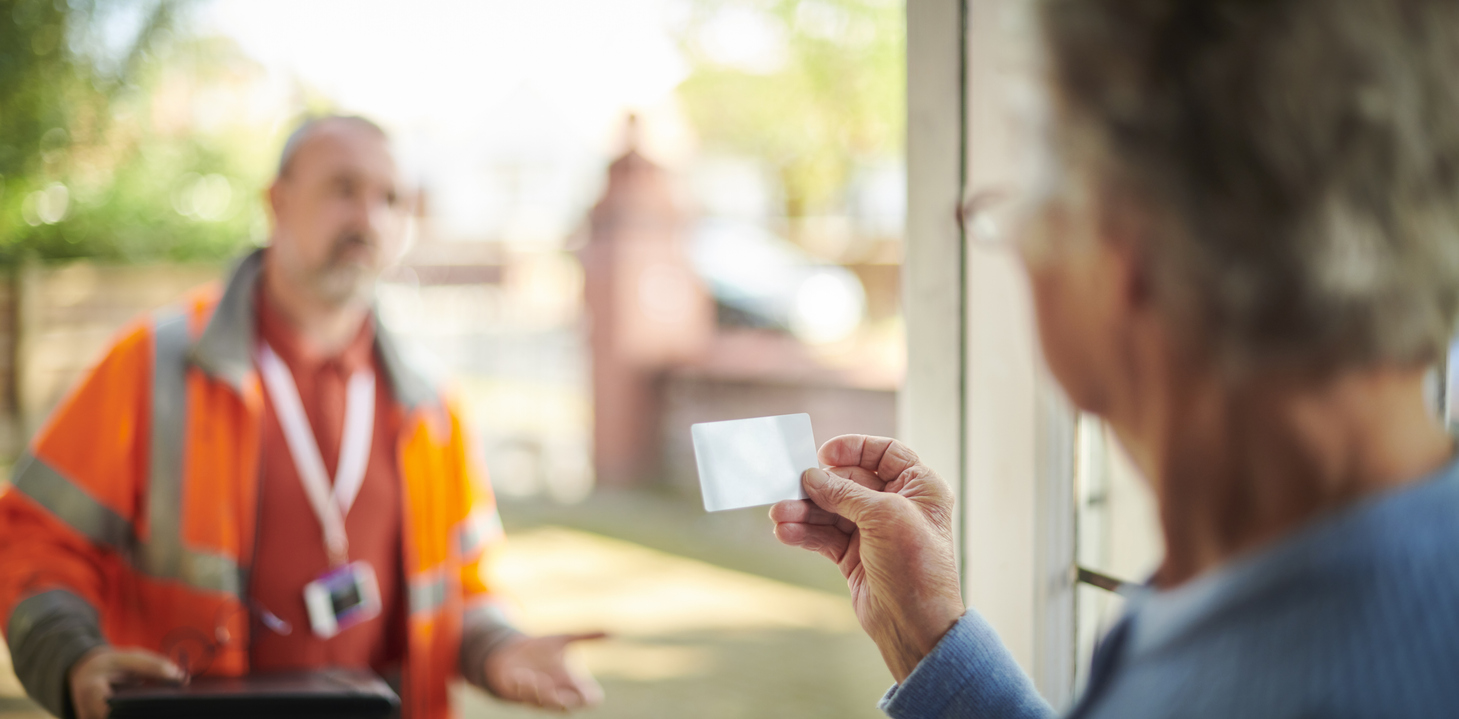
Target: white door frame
(977, 405)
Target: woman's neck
(1237, 467)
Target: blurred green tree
(99, 153)
(811, 87)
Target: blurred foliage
(822, 89)
(102, 152)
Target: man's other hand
(537, 671)
(886, 519)
(97, 671)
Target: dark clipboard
(328, 694)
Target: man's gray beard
(343, 285)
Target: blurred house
(719, 319)
(648, 313)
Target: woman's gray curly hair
(1303, 155)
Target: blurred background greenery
(102, 154)
(91, 165)
(830, 98)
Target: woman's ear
(1124, 229)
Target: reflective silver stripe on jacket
(71, 504)
(476, 531)
(164, 554)
(428, 592)
(223, 352)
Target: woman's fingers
(885, 457)
(830, 542)
(804, 511)
(861, 476)
(801, 511)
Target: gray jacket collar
(225, 349)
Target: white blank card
(749, 462)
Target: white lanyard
(354, 447)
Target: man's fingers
(531, 688)
(92, 704)
(94, 674)
(830, 542)
(145, 665)
(550, 697)
(840, 495)
(566, 694)
(580, 692)
(566, 698)
(542, 694)
(577, 689)
(583, 637)
(591, 692)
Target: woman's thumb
(839, 495)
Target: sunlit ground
(690, 639)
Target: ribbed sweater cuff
(968, 674)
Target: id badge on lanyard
(348, 593)
(342, 598)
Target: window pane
(1118, 530)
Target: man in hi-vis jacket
(258, 479)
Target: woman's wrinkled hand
(886, 520)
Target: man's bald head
(311, 126)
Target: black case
(328, 694)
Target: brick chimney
(647, 312)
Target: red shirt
(290, 546)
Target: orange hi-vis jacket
(131, 517)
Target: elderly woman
(1250, 262)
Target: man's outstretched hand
(537, 671)
(886, 519)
